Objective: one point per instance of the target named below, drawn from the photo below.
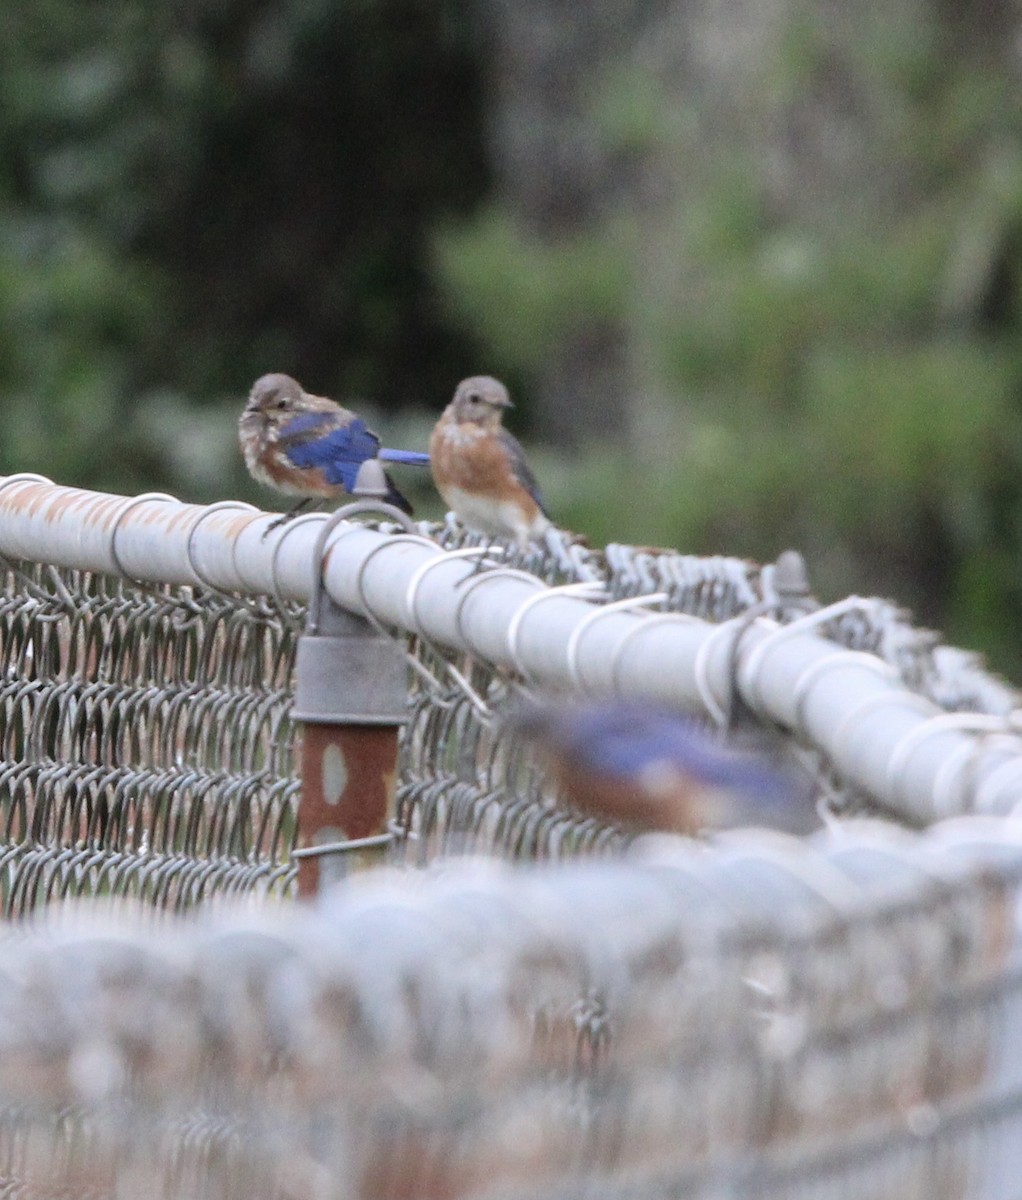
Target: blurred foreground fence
(772, 1019)
(755, 1016)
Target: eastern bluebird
(641, 765)
(310, 446)
(480, 469)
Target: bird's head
(274, 396)
(480, 400)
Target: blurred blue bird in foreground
(644, 766)
(310, 446)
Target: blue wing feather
(336, 444)
(315, 440)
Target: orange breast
(474, 462)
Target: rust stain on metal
(348, 781)
(154, 512)
(28, 498)
(59, 503)
(236, 523)
(62, 501)
(102, 514)
(14, 497)
(230, 522)
(182, 515)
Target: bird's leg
(480, 561)
(288, 516)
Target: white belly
(494, 518)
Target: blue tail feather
(410, 458)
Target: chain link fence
(578, 1012)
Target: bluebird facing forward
(644, 766)
(309, 446)
(480, 469)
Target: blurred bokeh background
(751, 267)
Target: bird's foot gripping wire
(482, 562)
(285, 517)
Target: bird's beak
(506, 402)
(251, 406)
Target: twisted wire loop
(713, 589)
(781, 1017)
(145, 746)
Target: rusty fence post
(351, 685)
(350, 696)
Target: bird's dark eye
(475, 398)
(282, 402)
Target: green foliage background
(193, 194)
(196, 193)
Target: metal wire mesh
(145, 746)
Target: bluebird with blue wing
(480, 469)
(645, 766)
(309, 446)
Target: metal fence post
(350, 695)
(351, 684)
